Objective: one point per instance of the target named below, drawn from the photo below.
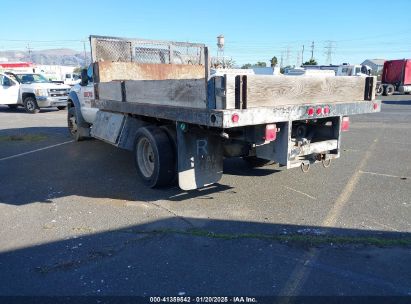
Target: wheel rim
(145, 157)
(30, 105)
(72, 124)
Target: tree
(311, 62)
(273, 61)
(259, 64)
(222, 63)
(282, 70)
(78, 70)
(247, 66)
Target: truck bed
(170, 80)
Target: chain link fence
(146, 51)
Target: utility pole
(85, 54)
(329, 50)
(287, 56)
(281, 60)
(312, 50)
(29, 50)
(302, 56)
(297, 64)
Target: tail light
(310, 111)
(270, 132)
(326, 110)
(345, 125)
(319, 111)
(235, 117)
(375, 106)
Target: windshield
(31, 78)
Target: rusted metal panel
(172, 92)
(109, 71)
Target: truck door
(9, 90)
(86, 95)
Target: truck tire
(255, 162)
(379, 90)
(154, 157)
(389, 90)
(72, 124)
(30, 105)
(62, 107)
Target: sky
(254, 30)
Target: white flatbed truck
(157, 99)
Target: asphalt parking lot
(75, 220)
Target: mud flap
(200, 158)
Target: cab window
(5, 81)
(90, 73)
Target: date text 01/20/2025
(184, 299)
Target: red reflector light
(345, 125)
(310, 111)
(319, 111)
(375, 106)
(270, 132)
(326, 110)
(235, 117)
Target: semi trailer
(396, 77)
(158, 100)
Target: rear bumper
(266, 115)
(45, 102)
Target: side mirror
(84, 77)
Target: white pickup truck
(33, 91)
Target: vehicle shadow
(397, 102)
(89, 168)
(169, 257)
(21, 110)
(238, 167)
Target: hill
(50, 56)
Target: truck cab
(71, 79)
(353, 70)
(81, 96)
(32, 91)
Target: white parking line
(307, 195)
(385, 175)
(37, 150)
(300, 273)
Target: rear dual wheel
(389, 90)
(379, 90)
(154, 157)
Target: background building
(376, 65)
